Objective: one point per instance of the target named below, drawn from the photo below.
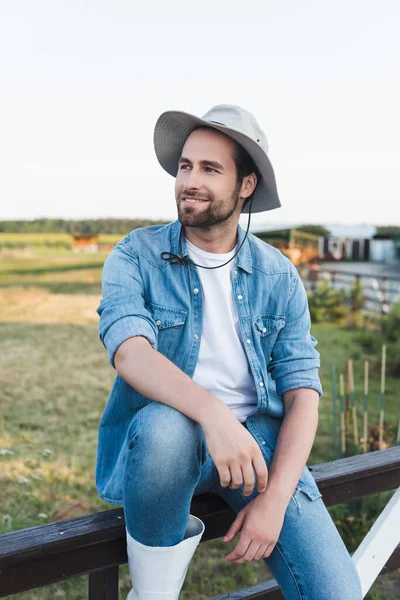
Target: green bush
(356, 296)
(327, 305)
(391, 324)
(387, 332)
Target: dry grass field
(54, 383)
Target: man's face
(206, 190)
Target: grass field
(54, 382)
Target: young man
(217, 385)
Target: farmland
(54, 382)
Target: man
(217, 385)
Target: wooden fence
(380, 291)
(96, 544)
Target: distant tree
(390, 231)
(315, 229)
(84, 226)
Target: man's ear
(249, 185)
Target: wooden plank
(351, 477)
(39, 572)
(41, 555)
(379, 544)
(103, 585)
(265, 590)
(338, 481)
(393, 562)
(42, 540)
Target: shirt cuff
(125, 328)
(298, 381)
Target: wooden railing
(96, 545)
(380, 291)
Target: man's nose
(193, 179)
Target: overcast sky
(82, 84)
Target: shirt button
(264, 330)
(235, 272)
(261, 384)
(158, 323)
(196, 337)
(263, 442)
(240, 297)
(195, 291)
(248, 341)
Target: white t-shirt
(222, 367)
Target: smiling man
(217, 385)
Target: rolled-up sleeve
(294, 360)
(122, 309)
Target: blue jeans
(168, 463)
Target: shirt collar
(243, 258)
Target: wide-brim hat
(173, 128)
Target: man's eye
(211, 169)
(184, 167)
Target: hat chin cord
(177, 258)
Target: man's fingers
(262, 472)
(236, 476)
(240, 550)
(224, 476)
(248, 478)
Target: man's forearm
(293, 447)
(157, 378)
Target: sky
(83, 82)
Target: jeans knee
(168, 436)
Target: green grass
(54, 383)
(338, 345)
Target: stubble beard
(214, 214)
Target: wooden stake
(382, 398)
(398, 432)
(365, 432)
(353, 406)
(334, 410)
(342, 417)
(347, 409)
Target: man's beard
(215, 213)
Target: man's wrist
(209, 408)
(277, 492)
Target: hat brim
(171, 132)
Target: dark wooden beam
(103, 585)
(357, 476)
(45, 554)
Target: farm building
(299, 246)
(358, 244)
(85, 243)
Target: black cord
(177, 258)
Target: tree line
(85, 226)
(123, 226)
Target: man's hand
(234, 452)
(260, 523)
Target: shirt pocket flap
(268, 323)
(166, 316)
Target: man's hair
(244, 167)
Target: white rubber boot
(158, 572)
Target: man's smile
(193, 200)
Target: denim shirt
(145, 295)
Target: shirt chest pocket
(170, 324)
(267, 326)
